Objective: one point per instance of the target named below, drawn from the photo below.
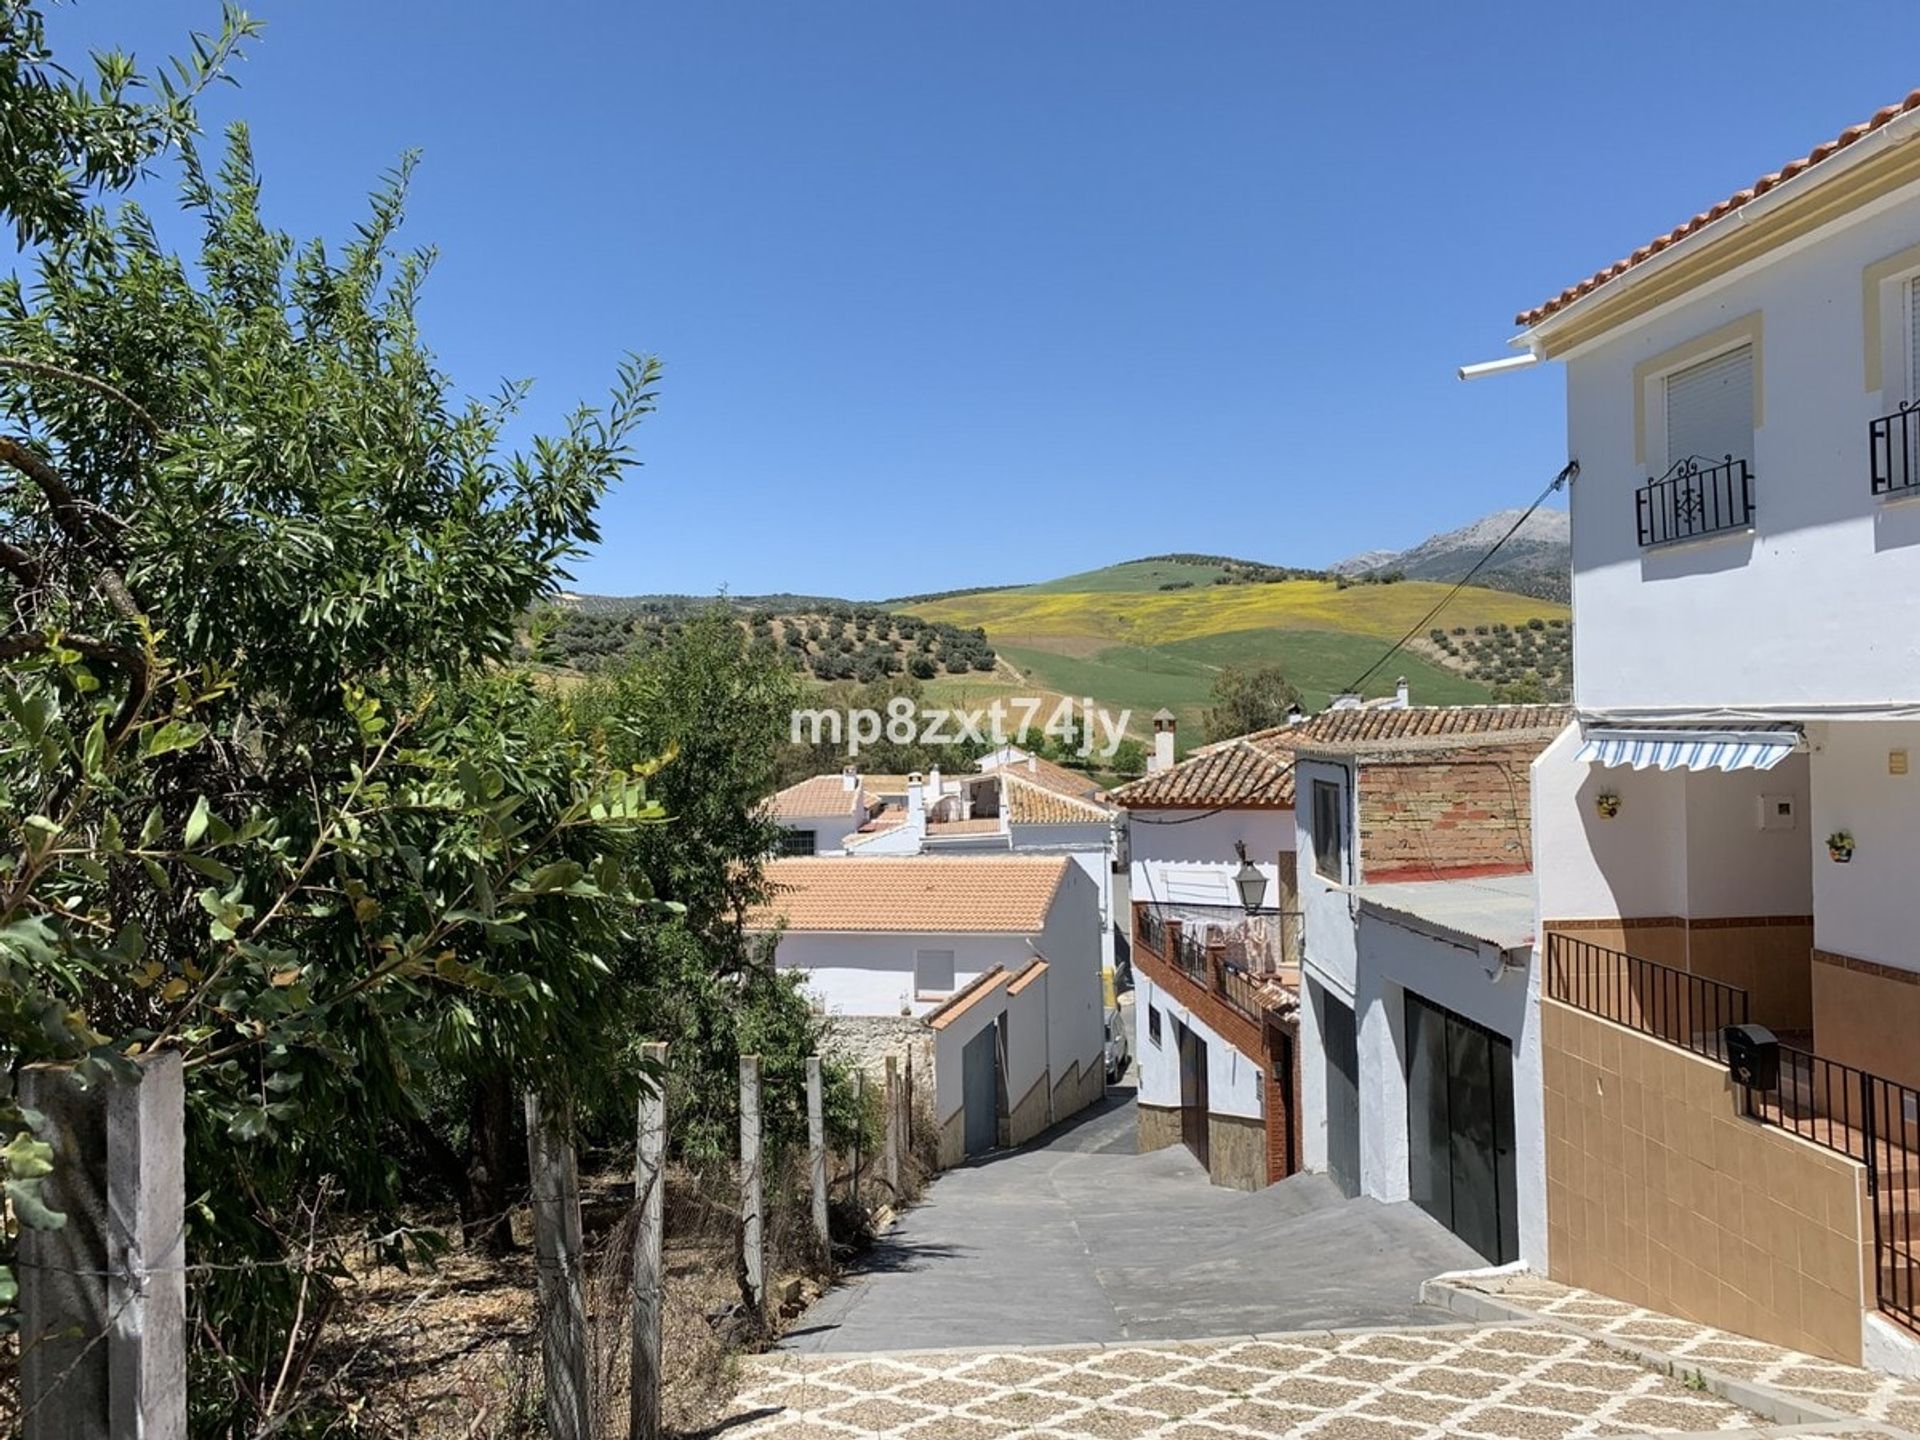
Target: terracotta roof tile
(821, 795)
(1030, 802)
(953, 895)
(1237, 774)
(1724, 208)
(985, 825)
(1426, 727)
(1054, 777)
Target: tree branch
(72, 519)
(90, 382)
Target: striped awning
(1646, 748)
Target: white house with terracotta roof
(818, 814)
(1214, 987)
(1420, 1056)
(989, 964)
(1730, 829)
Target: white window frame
(925, 992)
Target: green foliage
(1249, 698)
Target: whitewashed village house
(1419, 1044)
(1731, 830)
(1214, 944)
(982, 971)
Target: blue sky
(968, 293)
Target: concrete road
(1078, 1238)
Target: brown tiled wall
(1468, 814)
(1866, 1015)
(1661, 1194)
(1769, 956)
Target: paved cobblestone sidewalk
(1846, 1388)
(1516, 1382)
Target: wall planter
(1607, 804)
(1840, 847)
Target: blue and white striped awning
(1646, 748)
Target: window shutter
(1913, 339)
(1710, 408)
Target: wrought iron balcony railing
(1893, 447)
(1696, 497)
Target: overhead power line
(1569, 471)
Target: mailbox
(1753, 1056)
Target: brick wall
(1466, 810)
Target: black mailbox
(1753, 1056)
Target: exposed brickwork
(1273, 1046)
(1466, 811)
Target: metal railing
(1868, 1118)
(1893, 449)
(1695, 497)
(1863, 1116)
(1676, 1006)
(1217, 954)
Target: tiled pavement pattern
(1852, 1391)
(1503, 1382)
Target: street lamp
(1248, 880)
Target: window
(933, 972)
(1153, 1024)
(1912, 309)
(1329, 831)
(1710, 408)
(798, 842)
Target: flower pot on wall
(1607, 804)
(1840, 847)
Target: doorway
(980, 1089)
(1193, 1094)
(1339, 1037)
(1460, 1162)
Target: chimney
(1033, 764)
(916, 798)
(850, 779)
(1162, 757)
(1401, 698)
(1295, 715)
(933, 784)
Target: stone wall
(1029, 1114)
(865, 1041)
(1236, 1151)
(1159, 1126)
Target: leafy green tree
(271, 799)
(1248, 698)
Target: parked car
(1119, 1048)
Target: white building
(1731, 829)
(927, 955)
(819, 814)
(1420, 1072)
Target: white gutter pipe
(1484, 368)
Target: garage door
(1340, 1040)
(1460, 1165)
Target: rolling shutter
(1710, 408)
(1913, 339)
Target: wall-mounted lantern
(1248, 880)
(1607, 803)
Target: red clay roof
(1236, 774)
(1725, 207)
(1030, 801)
(912, 895)
(820, 795)
(1427, 727)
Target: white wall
(1683, 843)
(1865, 908)
(1162, 840)
(1025, 1018)
(873, 974)
(1328, 910)
(830, 831)
(1091, 848)
(1820, 604)
(1397, 956)
(1235, 1083)
(1076, 996)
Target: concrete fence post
(650, 1184)
(893, 1128)
(860, 1111)
(753, 1198)
(817, 1156)
(557, 1245)
(103, 1299)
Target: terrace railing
(1893, 450)
(1863, 1116)
(1696, 497)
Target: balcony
(1248, 962)
(1697, 497)
(1893, 449)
